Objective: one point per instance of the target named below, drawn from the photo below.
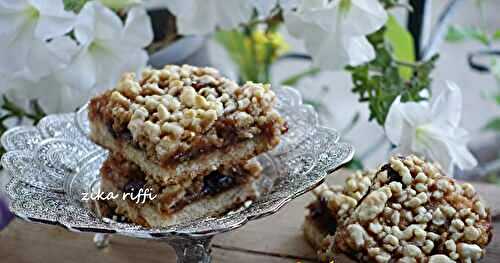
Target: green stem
(253, 51)
(406, 64)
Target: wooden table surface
(277, 238)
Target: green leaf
(496, 35)
(234, 43)
(402, 43)
(292, 81)
(77, 5)
(480, 36)
(492, 178)
(11, 107)
(495, 68)
(37, 111)
(455, 34)
(459, 34)
(119, 4)
(379, 82)
(74, 5)
(493, 125)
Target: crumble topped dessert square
(185, 121)
(406, 211)
(186, 135)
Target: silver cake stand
(53, 164)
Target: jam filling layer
(128, 178)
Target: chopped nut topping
(399, 217)
(179, 105)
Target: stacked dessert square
(189, 135)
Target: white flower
(431, 129)
(108, 47)
(334, 31)
(195, 17)
(52, 95)
(25, 27)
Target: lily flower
(335, 31)
(107, 46)
(431, 129)
(31, 37)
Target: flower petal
(202, 17)
(45, 58)
(136, 63)
(201, 21)
(11, 18)
(359, 49)
(408, 138)
(444, 137)
(319, 43)
(53, 19)
(138, 30)
(294, 24)
(15, 49)
(81, 74)
(287, 5)
(96, 21)
(323, 15)
(85, 25)
(328, 34)
(394, 121)
(402, 123)
(364, 17)
(232, 13)
(438, 150)
(323, 57)
(65, 47)
(108, 64)
(463, 158)
(448, 105)
(264, 7)
(13, 5)
(181, 8)
(108, 25)
(415, 113)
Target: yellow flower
(268, 45)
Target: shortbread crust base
(147, 215)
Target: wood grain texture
(277, 238)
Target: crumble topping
(407, 211)
(169, 109)
(341, 201)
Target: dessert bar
(406, 211)
(182, 122)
